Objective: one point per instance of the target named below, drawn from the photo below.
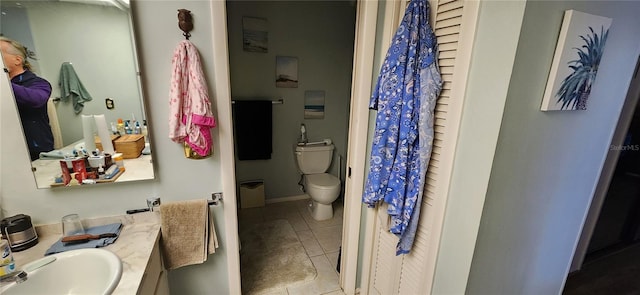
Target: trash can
(252, 194)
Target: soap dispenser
(303, 135)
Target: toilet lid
(322, 180)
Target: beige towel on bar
(188, 233)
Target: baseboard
(287, 199)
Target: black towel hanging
(253, 129)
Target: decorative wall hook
(185, 22)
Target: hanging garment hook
(185, 22)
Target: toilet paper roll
(103, 133)
(87, 133)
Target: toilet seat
(322, 181)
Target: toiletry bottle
(120, 126)
(127, 127)
(145, 131)
(114, 128)
(100, 172)
(119, 162)
(137, 130)
(7, 264)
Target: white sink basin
(83, 271)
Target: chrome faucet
(18, 277)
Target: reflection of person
(31, 93)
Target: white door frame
(609, 167)
(366, 18)
(365, 37)
(358, 131)
(222, 92)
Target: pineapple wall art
(576, 60)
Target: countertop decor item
(19, 231)
(87, 237)
(130, 145)
(59, 246)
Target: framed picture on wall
(286, 72)
(314, 104)
(255, 34)
(575, 63)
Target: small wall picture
(255, 34)
(286, 72)
(575, 62)
(314, 104)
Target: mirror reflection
(73, 64)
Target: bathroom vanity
(140, 168)
(138, 247)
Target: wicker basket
(99, 142)
(130, 145)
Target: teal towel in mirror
(71, 87)
(52, 155)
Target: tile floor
(320, 239)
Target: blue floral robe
(405, 97)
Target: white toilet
(313, 161)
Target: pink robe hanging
(190, 118)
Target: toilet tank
(314, 159)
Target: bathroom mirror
(95, 38)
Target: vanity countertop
(140, 232)
(135, 169)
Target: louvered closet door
(413, 273)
